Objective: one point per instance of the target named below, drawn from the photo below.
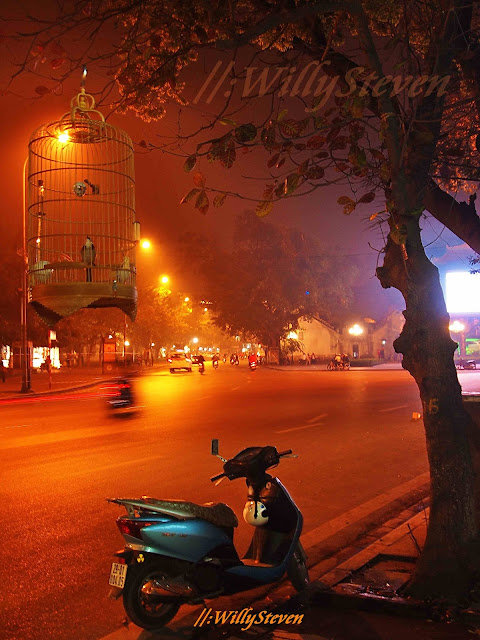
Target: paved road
(62, 456)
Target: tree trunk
(450, 560)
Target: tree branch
(461, 218)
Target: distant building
(315, 336)
(375, 340)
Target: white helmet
(255, 513)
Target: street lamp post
(355, 331)
(26, 386)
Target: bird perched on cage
(88, 254)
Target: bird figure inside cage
(88, 254)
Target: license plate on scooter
(118, 575)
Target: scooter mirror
(215, 450)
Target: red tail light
(132, 527)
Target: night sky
(161, 183)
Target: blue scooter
(178, 552)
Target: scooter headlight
(255, 513)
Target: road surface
(62, 456)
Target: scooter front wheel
(297, 569)
(143, 607)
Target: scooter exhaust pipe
(166, 588)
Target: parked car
(179, 362)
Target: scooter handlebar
(215, 478)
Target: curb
(18, 395)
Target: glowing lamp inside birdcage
(81, 231)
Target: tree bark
(450, 561)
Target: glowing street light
(64, 137)
(457, 327)
(356, 330)
(146, 244)
(164, 279)
(195, 340)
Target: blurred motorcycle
(119, 396)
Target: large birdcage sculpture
(80, 222)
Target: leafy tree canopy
(352, 91)
(272, 277)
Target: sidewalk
(62, 380)
(323, 367)
(356, 599)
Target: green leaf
(345, 200)
(367, 197)
(227, 122)
(268, 191)
(385, 172)
(189, 196)
(273, 160)
(357, 156)
(280, 190)
(291, 128)
(303, 167)
(316, 142)
(333, 133)
(268, 138)
(356, 108)
(245, 133)
(216, 150)
(264, 207)
(228, 157)
(219, 200)
(281, 115)
(315, 173)
(190, 163)
(199, 179)
(399, 234)
(378, 155)
(340, 142)
(202, 203)
(291, 183)
(348, 208)
(42, 90)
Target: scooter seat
(217, 513)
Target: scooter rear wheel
(297, 569)
(144, 610)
